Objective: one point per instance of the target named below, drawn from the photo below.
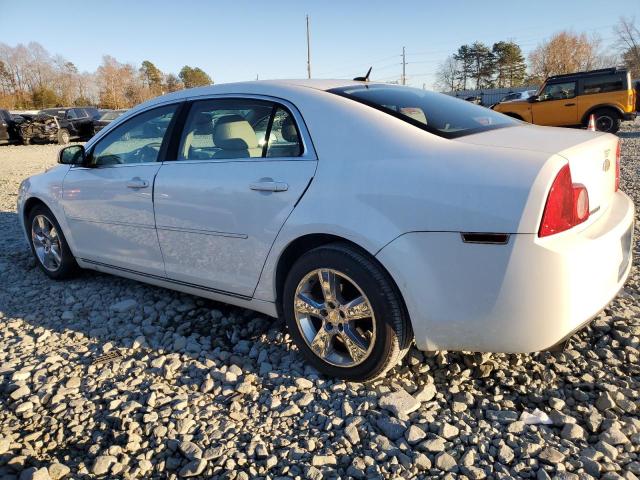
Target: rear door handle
(137, 182)
(269, 186)
(569, 104)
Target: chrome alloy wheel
(335, 317)
(46, 243)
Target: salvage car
(367, 215)
(60, 125)
(105, 118)
(9, 128)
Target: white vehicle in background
(518, 96)
(372, 216)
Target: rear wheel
(63, 137)
(48, 244)
(607, 120)
(345, 314)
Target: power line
(308, 51)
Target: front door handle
(269, 186)
(137, 182)
(569, 104)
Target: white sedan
(368, 215)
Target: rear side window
(439, 114)
(605, 84)
(220, 129)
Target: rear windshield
(440, 114)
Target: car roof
(276, 88)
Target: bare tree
(447, 76)
(566, 52)
(628, 40)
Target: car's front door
(241, 166)
(4, 126)
(556, 105)
(109, 202)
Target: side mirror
(73, 155)
(533, 98)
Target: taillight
(567, 205)
(617, 187)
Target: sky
(240, 39)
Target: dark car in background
(106, 118)
(60, 125)
(9, 130)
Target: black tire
(68, 266)
(63, 136)
(393, 329)
(607, 120)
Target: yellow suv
(569, 100)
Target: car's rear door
(109, 204)
(220, 204)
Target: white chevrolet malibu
(367, 215)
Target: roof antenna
(365, 78)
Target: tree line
(31, 77)
(503, 65)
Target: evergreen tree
(194, 77)
(510, 65)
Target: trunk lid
(591, 155)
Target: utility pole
(404, 68)
(308, 51)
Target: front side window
(138, 140)
(439, 114)
(558, 91)
(221, 129)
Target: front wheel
(63, 137)
(48, 244)
(345, 313)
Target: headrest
(289, 131)
(232, 132)
(202, 124)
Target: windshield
(440, 114)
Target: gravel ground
(195, 388)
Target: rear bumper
(521, 297)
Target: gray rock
(605, 401)
(303, 383)
(614, 436)
(5, 444)
(391, 427)
(124, 305)
(102, 464)
(505, 454)
(422, 462)
(290, 411)
(448, 431)
(433, 445)
(20, 392)
(190, 450)
(501, 416)
(351, 433)
(34, 473)
(445, 462)
(193, 468)
(322, 460)
(425, 393)
(414, 434)
(551, 455)
(571, 431)
(399, 403)
(58, 471)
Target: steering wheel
(149, 152)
